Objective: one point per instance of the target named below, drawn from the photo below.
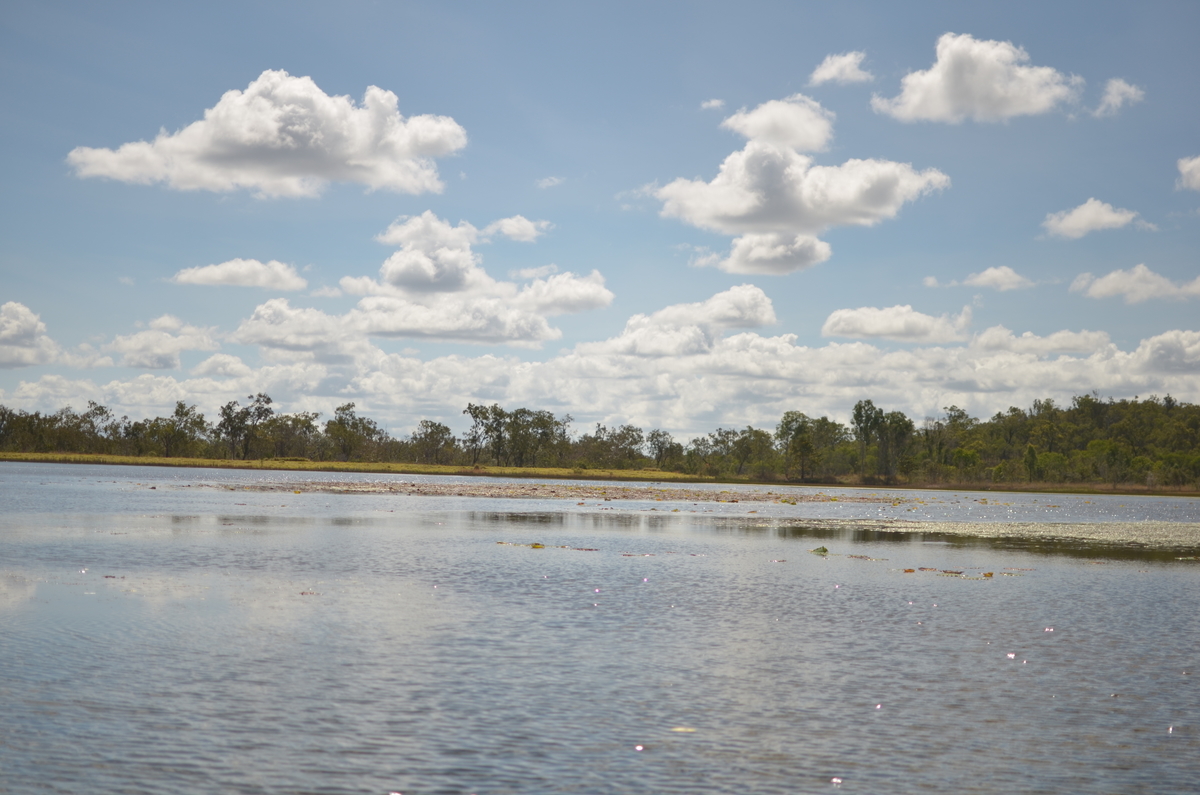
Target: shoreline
(555, 473)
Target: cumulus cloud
(1189, 173)
(900, 323)
(687, 368)
(519, 228)
(795, 123)
(284, 136)
(712, 104)
(434, 287)
(999, 338)
(280, 327)
(776, 200)
(437, 257)
(688, 329)
(273, 275)
(1137, 284)
(843, 69)
(1002, 278)
(158, 347)
(1118, 94)
(222, 365)
(1090, 216)
(23, 339)
(981, 80)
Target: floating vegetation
(819, 551)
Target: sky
(681, 215)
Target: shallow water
(206, 640)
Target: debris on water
(819, 551)
(683, 729)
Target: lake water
(200, 637)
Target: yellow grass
(562, 473)
(301, 465)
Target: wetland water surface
(215, 632)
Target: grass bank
(564, 473)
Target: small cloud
(550, 182)
(899, 323)
(1002, 278)
(326, 292)
(704, 257)
(1136, 285)
(222, 365)
(843, 69)
(1118, 94)
(519, 228)
(1091, 216)
(158, 347)
(1189, 173)
(712, 104)
(125, 280)
(534, 273)
(273, 275)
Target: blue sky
(662, 213)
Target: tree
(433, 442)
(865, 420)
(239, 424)
(794, 435)
(176, 435)
(895, 431)
(353, 436)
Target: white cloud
(687, 368)
(712, 104)
(796, 123)
(284, 136)
(273, 275)
(900, 323)
(280, 327)
(518, 228)
(843, 69)
(1137, 284)
(434, 287)
(1090, 216)
(1118, 94)
(981, 80)
(534, 273)
(222, 365)
(999, 338)
(325, 291)
(1002, 278)
(688, 329)
(1189, 172)
(773, 253)
(437, 257)
(550, 182)
(564, 293)
(158, 347)
(23, 339)
(777, 201)
(433, 256)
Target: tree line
(1155, 442)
